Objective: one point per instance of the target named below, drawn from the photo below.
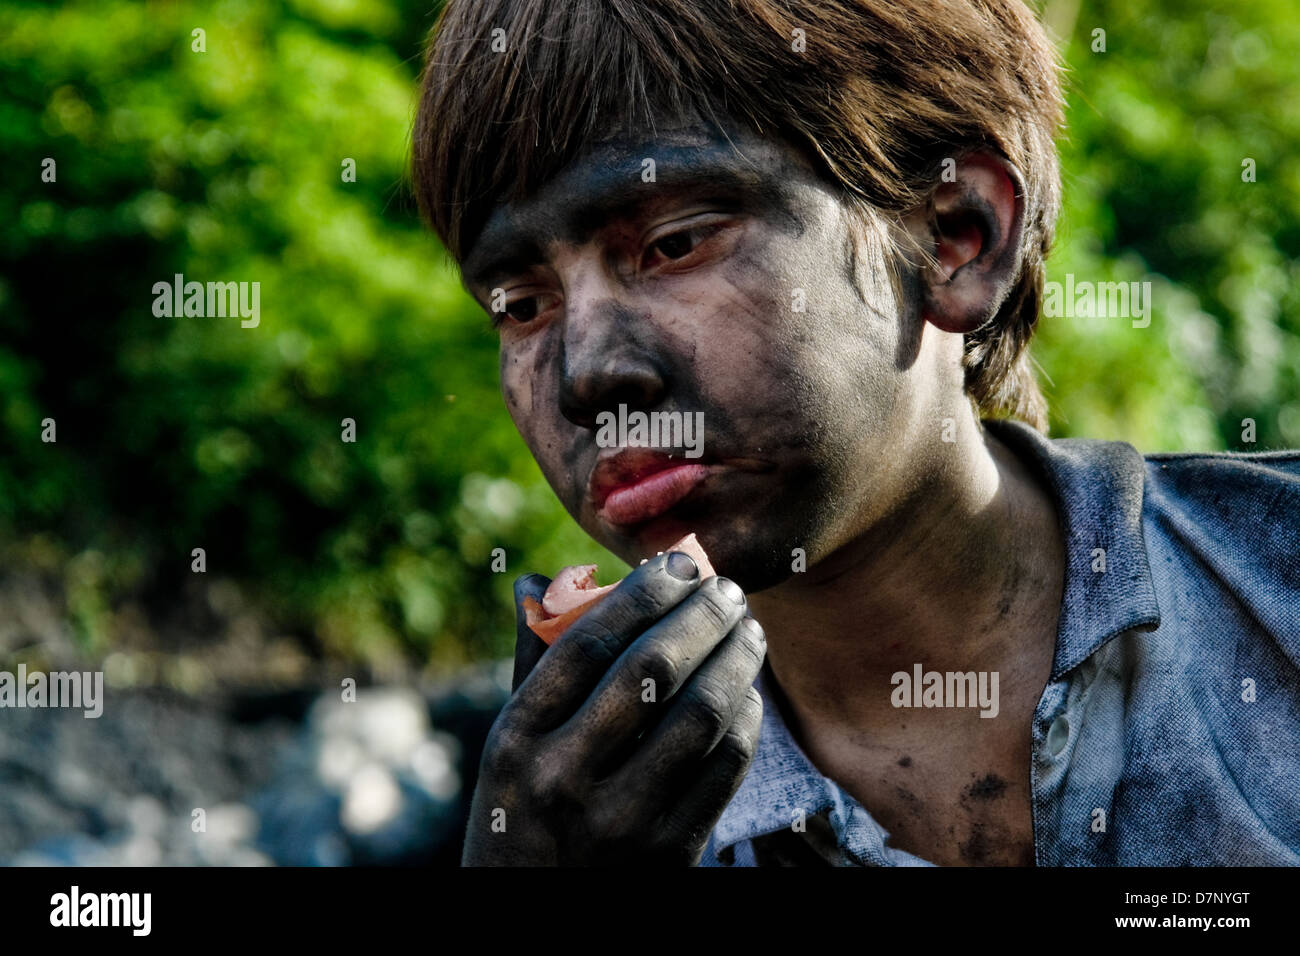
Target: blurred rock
(294, 778)
(369, 780)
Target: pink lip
(652, 495)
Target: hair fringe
(884, 90)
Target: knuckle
(749, 718)
(503, 752)
(740, 742)
(608, 820)
(706, 705)
(750, 646)
(656, 662)
(594, 640)
(641, 600)
(550, 783)
(738, 746)
(718, 608)
(741, 737)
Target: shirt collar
(783, 782)
(1097, 487)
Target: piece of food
(573, 593)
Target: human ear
(974, 226)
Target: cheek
(782, 339)
(516, 386)
(530, 386)
(845, 342)
(523, 378)
(746, 333)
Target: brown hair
(880, 94)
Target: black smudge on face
(509, 391)
(768, 411)
(911, 324)
(810, 392)
(633, 331)
(605, 186)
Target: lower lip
(652, 495)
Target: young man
(823, 225)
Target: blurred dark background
(372, 560)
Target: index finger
(576, 662)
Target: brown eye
(523, 310)
(677, 245)
(678, 250)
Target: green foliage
(1158, 127)
(177, 433)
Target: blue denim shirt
(1173, 705)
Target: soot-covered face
(722, 279)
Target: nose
(608, 360)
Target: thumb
(529, 648)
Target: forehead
(612, 181)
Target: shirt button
(1058, 735)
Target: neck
(965, 575)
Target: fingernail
(731, 589)
(681, 566)
(756, 630)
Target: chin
(751, 546)
(751, 549)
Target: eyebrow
(513, 242)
